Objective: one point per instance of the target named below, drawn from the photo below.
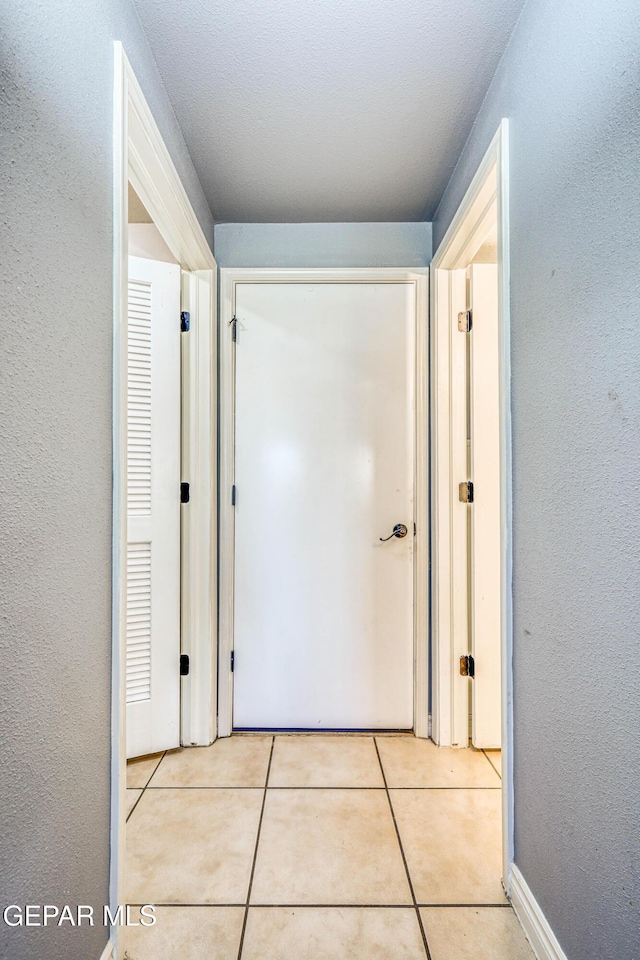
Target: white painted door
(323, 617)
(484, 379)
(153, 507)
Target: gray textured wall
(322, 244)
(569, 83)
(55, 442)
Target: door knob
(399, 530)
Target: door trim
(140, 155)
(487, 193)
(229, 277)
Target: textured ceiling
(332, 110)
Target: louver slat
(139, 397)
(138, 622)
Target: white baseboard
(534, 923)
(108, 953)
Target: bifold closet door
(153, 508)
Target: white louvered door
(153, 507)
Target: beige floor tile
(132, 796)
(325, 762)
(192, 846)
(452, 841)
(328, 847)
(468, 933)
(495, 758)
(413, 762)
(229, 762)
(332, 933)
(187, 933)
(139, 771)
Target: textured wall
(569, 83)
(55, 438)
(322, 244)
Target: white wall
(146, 241)
(322, 244)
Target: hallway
(319, 847)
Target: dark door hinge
(465, 491)
(185, 321)
(233, 323)
(467, 666)
(185, 493)
(233, 495)
(465, 321)
(233, 660)
(184, 664)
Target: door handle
(399, 530)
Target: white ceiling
(333, 110)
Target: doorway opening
(164, 435)
(153, 481)
(470, 478)
(323, 504)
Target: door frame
(486, 201)
(229, 278)
(140, 156)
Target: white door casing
(485, 205)
(459, 529)
(323, 612)
(199, 515)
(153, 508)
(484, 385)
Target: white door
(484, 379)
(153, 507)
(323, 616)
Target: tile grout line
(155, 769)
(275, 787)
(334, 906)
(255, 852)
(474, 906)
(144, 788)
(404, 859)
(493, 766)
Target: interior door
(484, 379)
(323, 616)
(153, 507)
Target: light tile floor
(318, 847)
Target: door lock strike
(465, 321)
(465, 491)
(467, 666)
